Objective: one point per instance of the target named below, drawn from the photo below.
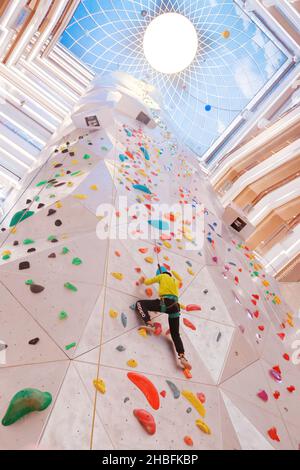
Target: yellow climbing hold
(118, 276)
(191, 272)
(132, 363)
(203, 426)
(6, 253)
(58, 205)
(80, 196)
(74, 162)
(13, 230)
(167, 244)
(70, 184)
(194, 402)
(143, 332)
(149, 259)
(188, 237)
(113, 313)
(94, 187)
(99, 385)
(266, 283)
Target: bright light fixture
(170, 43)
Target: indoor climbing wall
(74, 353)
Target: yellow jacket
(167, 285)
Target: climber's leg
(144, 306)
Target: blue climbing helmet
(161, 270)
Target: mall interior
(137, 137)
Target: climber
(168, 303)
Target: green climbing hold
(70, 286)
(28, 241)
(41, 183)
(86, 157)
(24, 402)
(20, 216)
(65, 250)
(77, 262)
(63, 315)
(70, 346)
(5, 257)
(29, 282)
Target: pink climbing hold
(146, 420)
(192, 308)
(262, 394)
(158, 328)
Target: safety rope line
(105, 277)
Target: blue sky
(226, 74)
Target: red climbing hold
(146, 387)
(163, 393)
(286, 357)
(281, 335)
(188, 441)
(291, 388)
(158, 328)
(146, 420)
(201, 397)
(262, 394)
(192, 307)
(273, 434)
(276, 395)
(189, 324)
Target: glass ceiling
(235, 58)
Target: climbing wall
(68, 325)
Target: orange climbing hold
(146, 387)
(143, 250)
(187, 374)
(149, 292)
(146, 420)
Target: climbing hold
(175, 391)
(149, 260)
(159, 224)
(194, 401)
(28, 241)
(70, 346)
(142, 332)
(24, 265)
(191, 272)
(35, 289)
(163, 393)
(25, 402)
(142, 188)
(149, 292)
(132, 363)
(70, 287)
(33, 341)
(63, 315)
(291, 388)
(77, 262)
(273, 434)
(219, 336)
(65, 250)
(275, 373)
(118, 276)
(113, 313)
(146, 387)
(201, 397)
(143, 250)
(120, 348)
(188, 441)
(203, 426)
(192, 308)
(146, 420)
(276, 394)
(94, 187)
(262, 394)
(20, 216)
(189, 324)
(124, 319)
(100, 385)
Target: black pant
(144, 306)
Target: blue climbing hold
(142, 188)
(159, 224)
(146, 153)
(208, 107)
